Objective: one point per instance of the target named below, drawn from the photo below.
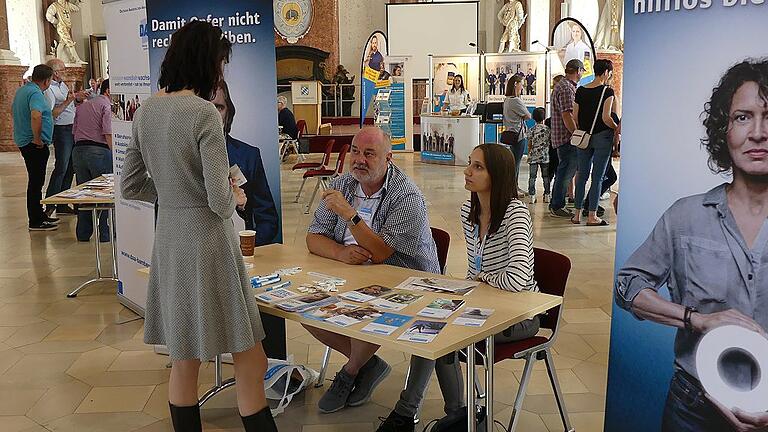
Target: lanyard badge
(478, 250)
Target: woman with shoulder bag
(515, 115)
(593, 107)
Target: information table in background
(95, 196)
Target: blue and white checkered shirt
(401, 220)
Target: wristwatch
(354, 220)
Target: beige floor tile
(593, 375)
(580, 316)
(139, 360)
(63, 346)
(579, 421)
(16, 423)
(81, 332)
(31, 334)
(40, 371)
(18, 400)
(599, 343)
(127, 378)
(6, 332)
(107, 422)
(157, 404)
(100, 308)
(528, 421)
(58, 402)
(115, 399)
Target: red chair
(325, 175)
(301, 125)
(314, 165)
(551, 271)
(443, 243)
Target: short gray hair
(283, 100)
(375, 133)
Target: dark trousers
(688, 409)
(90, 162)
(63, 172)
(35, 159)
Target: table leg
(112, 242)
(96, 241)
(471, 410)
(220, 385)
(489, 355)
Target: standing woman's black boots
(262, 421)
(186, 419)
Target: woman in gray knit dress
(198, 303)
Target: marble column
(11, 72)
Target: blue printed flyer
(386, 324)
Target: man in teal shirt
(33, 133)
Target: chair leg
(314, 194)
(324, 367)
(556, 388)
(529, 361)
(301, 188)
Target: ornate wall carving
(324, 33)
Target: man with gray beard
(374, 214)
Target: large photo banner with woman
(688, 340)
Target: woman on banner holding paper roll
(199, 300)
(711, 250)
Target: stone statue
(512, 17)
(609, 26)
(59, 13)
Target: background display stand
(307, 104)
(466, 65)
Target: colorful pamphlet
(453, 286)
(366, 294)
(441, 308)
(473, 317)
(307, 302)
(276, 295)
(396, 301)
(324, 312)
(422, 331)
(386, 324)
(354, 316)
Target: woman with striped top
(497, 229)
(499, 238)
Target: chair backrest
(328, 152)
(551, 271)
(301, 125)
(340, 161)
(443, 243)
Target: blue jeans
(688, 410)
(90, 162)
(594, 158)
(566, 168)
(61, 177)
(534, 171)
(517, 151)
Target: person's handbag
(509, 137)
(580, 139)
(284, 380)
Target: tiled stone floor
(65, 365)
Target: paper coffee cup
(247, 242)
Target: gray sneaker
(370, 376)
(336, 397)
(561, 213)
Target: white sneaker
(605, 196)
(547, 198)
(532, 199)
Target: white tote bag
(279, 386)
